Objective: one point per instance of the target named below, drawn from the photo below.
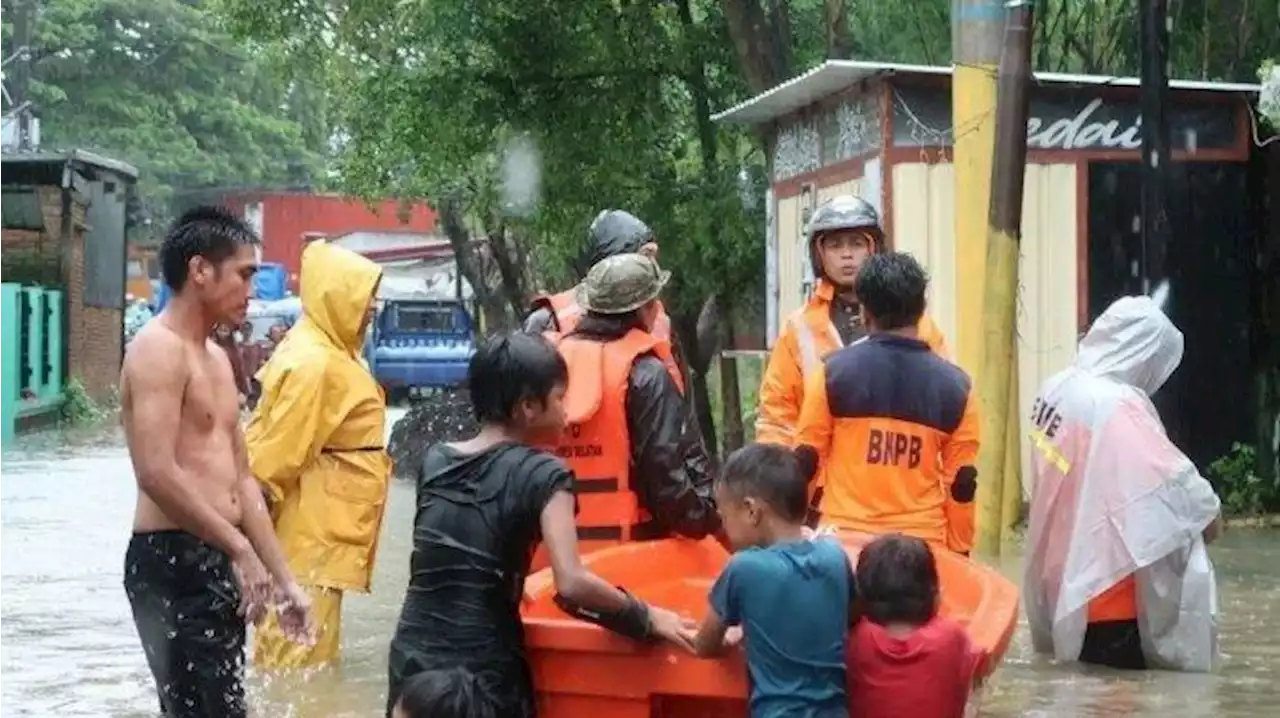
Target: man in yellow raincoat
(316, 444)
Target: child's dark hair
(509, 368)
(207, 231)
(897, 580)
(448, 693)
(770, 473)
(892, 287)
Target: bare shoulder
(219, 354)
(156, 356)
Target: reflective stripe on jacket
(806, 338)
(895, 430)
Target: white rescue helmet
(842, 212)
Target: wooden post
(998, 377)
(731, 432)
(11, 349)
(1157, 231)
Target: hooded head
(338, 289)
(1133, 342)
(612, 233)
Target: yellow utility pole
(977, 32)
(998, 379)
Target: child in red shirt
(906, 661)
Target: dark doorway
(1207, 404)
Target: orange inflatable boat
(582, 671)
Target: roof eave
(834, 76)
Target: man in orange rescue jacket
(642, 472)
(892, 425)
(841, 234)
(612, 233)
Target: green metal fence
(32, 382)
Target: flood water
(69, 647)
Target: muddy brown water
(69, 648)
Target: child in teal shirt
(789, 594)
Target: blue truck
(419, 345)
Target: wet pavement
(69, 647)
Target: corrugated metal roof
(83, 156)
(833, 76)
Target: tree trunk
(838, 46)
(762, 47)
(511, 270)
(470, 264)
(697, 359)
(696, 80)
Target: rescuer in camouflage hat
(629, 430)
(620, 284)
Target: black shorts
(184, 598)
(1114, 643)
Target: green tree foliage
(1210, 39)
(1269, 102)
(160, 84)
(616, 99)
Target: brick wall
(31, 257)
(94, 334)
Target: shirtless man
(194, 570)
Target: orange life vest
(564, 306)
(596, 442)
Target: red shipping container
(285, 219)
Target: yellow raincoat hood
(337, 289)
(316, 438)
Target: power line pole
(22, 22)
(977, 28)
(999, 457)
(1157, 231)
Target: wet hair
(897, 580)
(207, 231)
(608, 325)
(770, 474)
(509, 368)
(448, 693)
(892, 286)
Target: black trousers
(1114, 643)
(184, 599)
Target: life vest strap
(648, 531)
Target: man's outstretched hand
(293, 611)
(254, 581)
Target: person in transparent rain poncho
(1117, 572)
